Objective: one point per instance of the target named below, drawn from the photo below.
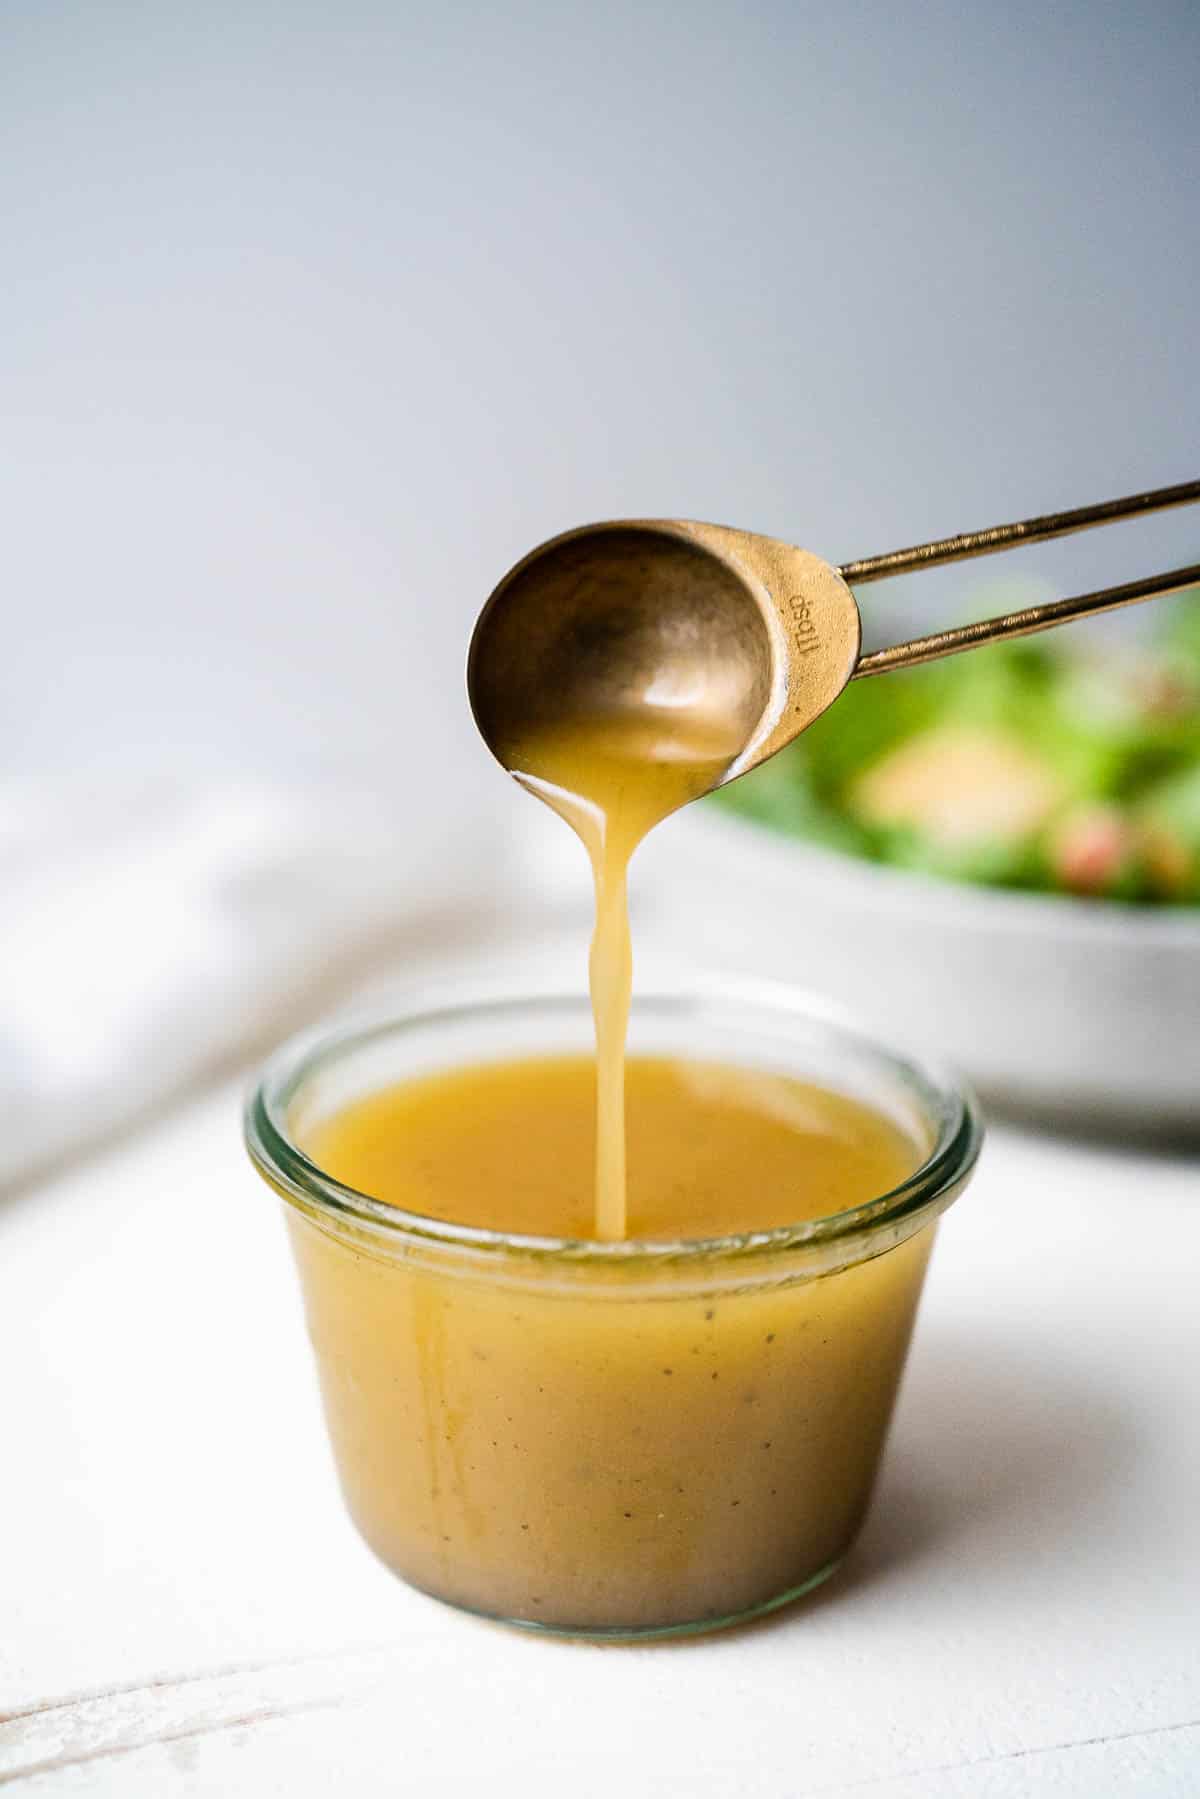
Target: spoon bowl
(685, 624)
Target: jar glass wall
(626, 1439)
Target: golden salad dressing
(620, 1456)
(712, 1149)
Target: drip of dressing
(613, 778)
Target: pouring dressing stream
(613, 780)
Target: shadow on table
(994, 1457)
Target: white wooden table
(184, 1609)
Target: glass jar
(609, 1439)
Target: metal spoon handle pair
(1006, 537)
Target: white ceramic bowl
(1073, 1009)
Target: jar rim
(947, 1103)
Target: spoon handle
(1025, 622)
(1030, 530)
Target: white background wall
(313, 318)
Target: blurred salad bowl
(996, 857)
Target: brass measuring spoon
(682, 617)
